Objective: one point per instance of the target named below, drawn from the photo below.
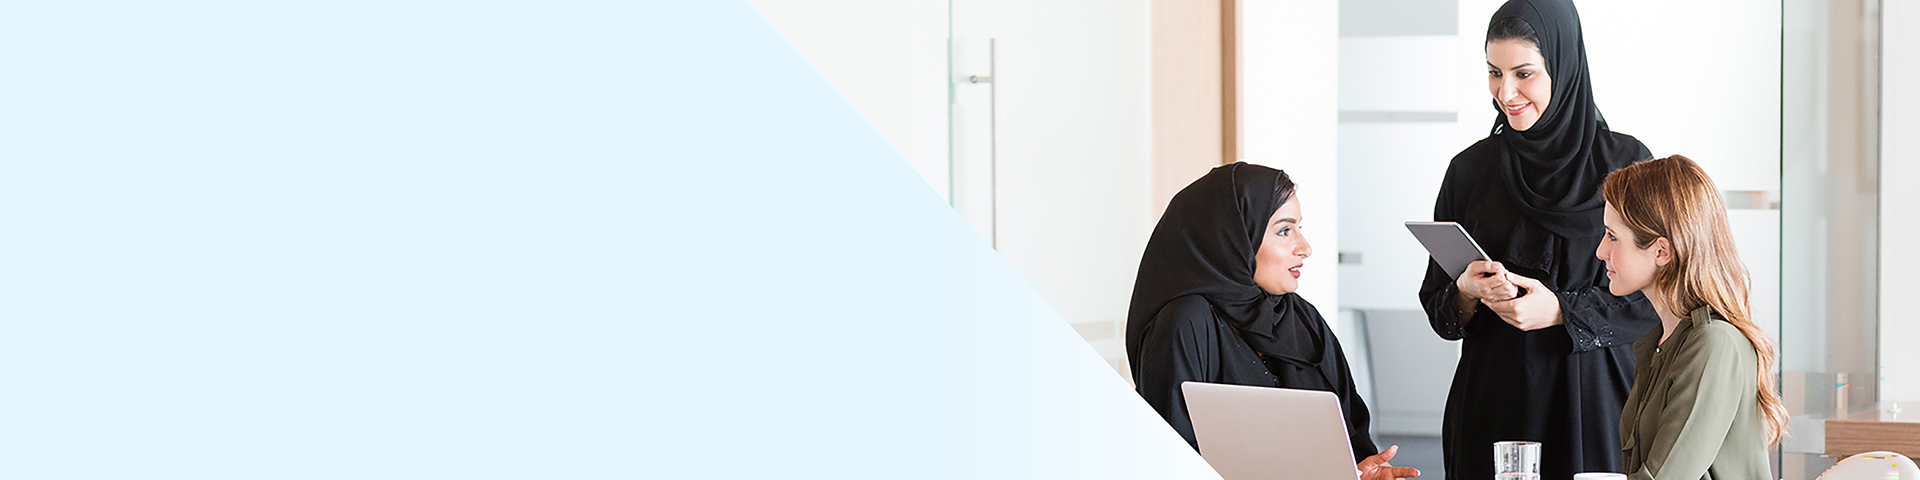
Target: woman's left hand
(1538, 308)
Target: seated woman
(1214, 302)
(1703, 404)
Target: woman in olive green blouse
(1703, 404)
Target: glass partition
(1830, 241)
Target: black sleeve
(1437, 297)
(1180, 345)
(1437, 292)
(1593, 315)
(1359, 431)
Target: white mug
(1599, 476)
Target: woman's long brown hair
(1672, 197)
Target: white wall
(887, 58)
(1899, 201)
(1730, 118)
(1756, 233)
(1289, 110)
(1072, 138)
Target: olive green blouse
(1693, 413)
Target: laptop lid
(1266, 433)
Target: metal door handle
(993, 145)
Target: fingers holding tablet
(1487, 281)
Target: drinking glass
(1516, 460)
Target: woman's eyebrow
(1286, 220)
(1515, 67)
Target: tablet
(1449, 245)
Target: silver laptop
(1268, 433)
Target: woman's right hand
(1486, 281)
(1377, 468)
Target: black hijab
(1204, 245)
(1553, 170)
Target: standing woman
(1545, 354)
(1703, 404)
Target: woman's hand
(1377, 468)
(1483, 281)
(1486, 281)
(1538, 309)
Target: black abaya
(1531, 198)
(1188, 341)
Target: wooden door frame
(1196, 99)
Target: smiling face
(1283, 250)
(1629, 267)
(1517, 78)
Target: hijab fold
(1554, 169)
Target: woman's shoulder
(1186, 307)
(1638, 149)
(1713, 333)
(1479, 152)
(1187, 313)
(1475, 161)
(1718, 330)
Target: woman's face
(1629, 267)
(1276, 266)
(1517, 78)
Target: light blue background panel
(488, 240)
